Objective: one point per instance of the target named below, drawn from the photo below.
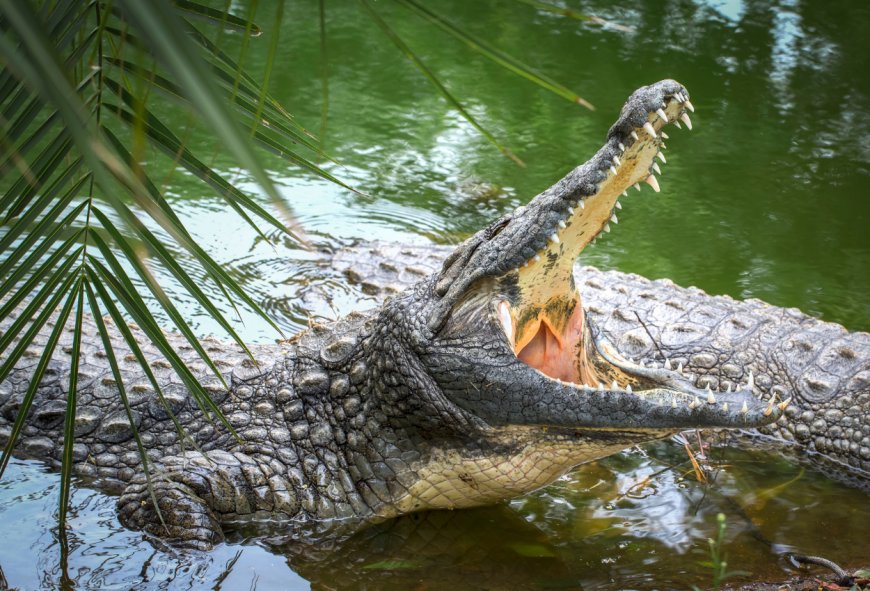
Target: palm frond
(496, 55)
(69, 231)
(409, 53)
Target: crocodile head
(506, 338)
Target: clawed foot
(187, 520)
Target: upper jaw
(552, 230)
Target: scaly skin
(481, 382)
(822, 367)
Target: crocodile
(483, 381)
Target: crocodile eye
(496, 228)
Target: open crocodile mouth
(546, 325)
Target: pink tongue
(545, 354)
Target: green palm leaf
(81, 221)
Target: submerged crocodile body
(483, 381)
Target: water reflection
(637, 520)
(767, 198)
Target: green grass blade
(219, 17)
(403, 47)
(167, 258)
(11, 105)
(54, 289)
(19, 126)
(38, 272)
(496, 55)
(217, 271)
(135, 306)
(145, 275)
(246, 83)
(37, 209)
(40, 68)
(246, 107)
(25, 119)
(158, 22)
(270, 64)
(232, 195)
(69, 422)
(122, 392)
(38, 374)
(130, 340)
(41, 169)
(173, 147)
(43, 228)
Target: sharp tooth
(662, 114)
(725, 407)
(652, 182)
(728, 388)
(570, 211)
(621, 147)
(661, 157)
(769, 409)
(666, 136)
(695, 403)
(637, 186)
(616, 160)
(667, 363)
(677, 123)
(613, 219)
(618, 204)
(628, 388)
(784, 404)
(601, 386)
(625, 193)
(684, 117)
(664, 146)
(678, 96)
(710, 398)
(647, 127)
(582, 204)
(745, 408)
(680, 368)
(555, 238)
(537, 258)
(613, 170)
(504, 316)
(689, 105)
(750, 381)
(673, 404)
(640, 363)
(614, 385)
(607, 227)
(562, 224)
(655, 167)
(634, 135)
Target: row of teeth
(651, 180)
(711, 396)
(696, 402)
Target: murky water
(638, 520)
(766, 198)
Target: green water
(765, 198)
